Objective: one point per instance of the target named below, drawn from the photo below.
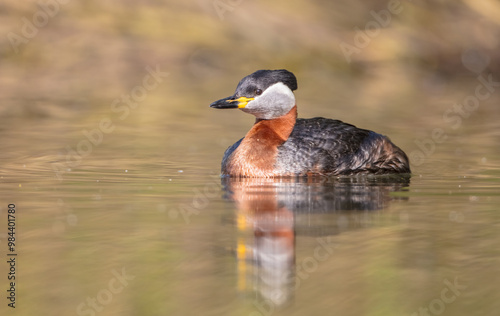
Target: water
(139, 223)
(119, 207)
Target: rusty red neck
(256, 155)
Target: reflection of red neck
(256, 154)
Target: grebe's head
(267, 94)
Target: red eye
(258, 92)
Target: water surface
(147, 204)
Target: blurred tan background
(414, 61)
(91, 51)
(401, 68)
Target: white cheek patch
(276, 101)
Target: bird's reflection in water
(272, 212)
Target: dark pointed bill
(226, 103)
(231, 103)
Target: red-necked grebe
(279, 144)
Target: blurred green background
(400, 78)
(90, 52)
(84, 215)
